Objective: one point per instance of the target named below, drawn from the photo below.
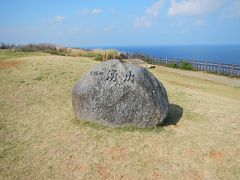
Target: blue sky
(108, 22)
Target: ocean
(228, 54)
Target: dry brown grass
(105, 54)
(9, 64)
(39, 138)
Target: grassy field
(39, 138)
(6, 54)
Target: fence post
(206, 69)
(232, 71)
(194, 64)
(219, 68)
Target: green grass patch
(172, 65)
(125, 128)
(6, 54)
(186, 66)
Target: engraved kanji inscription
(112, 75)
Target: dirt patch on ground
(193, 152)
(216, 154)
(9, 64)
(192, 174)
(118, 153)
(71, 165)
(117, 150)
(103, 172)
(157, 175)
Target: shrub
(98, 57)
(172, 65)
(186, 66)
(148, 59)
(39, 78)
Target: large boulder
(117, 93)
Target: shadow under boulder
(175, 113)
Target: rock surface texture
(115, 93)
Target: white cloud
(59, 19)
(193, 7)
(155, 8)
(95, 11)
(142, 22)
(150, 13)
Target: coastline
(227, 54)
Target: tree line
(29, 47)
(98, 54)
